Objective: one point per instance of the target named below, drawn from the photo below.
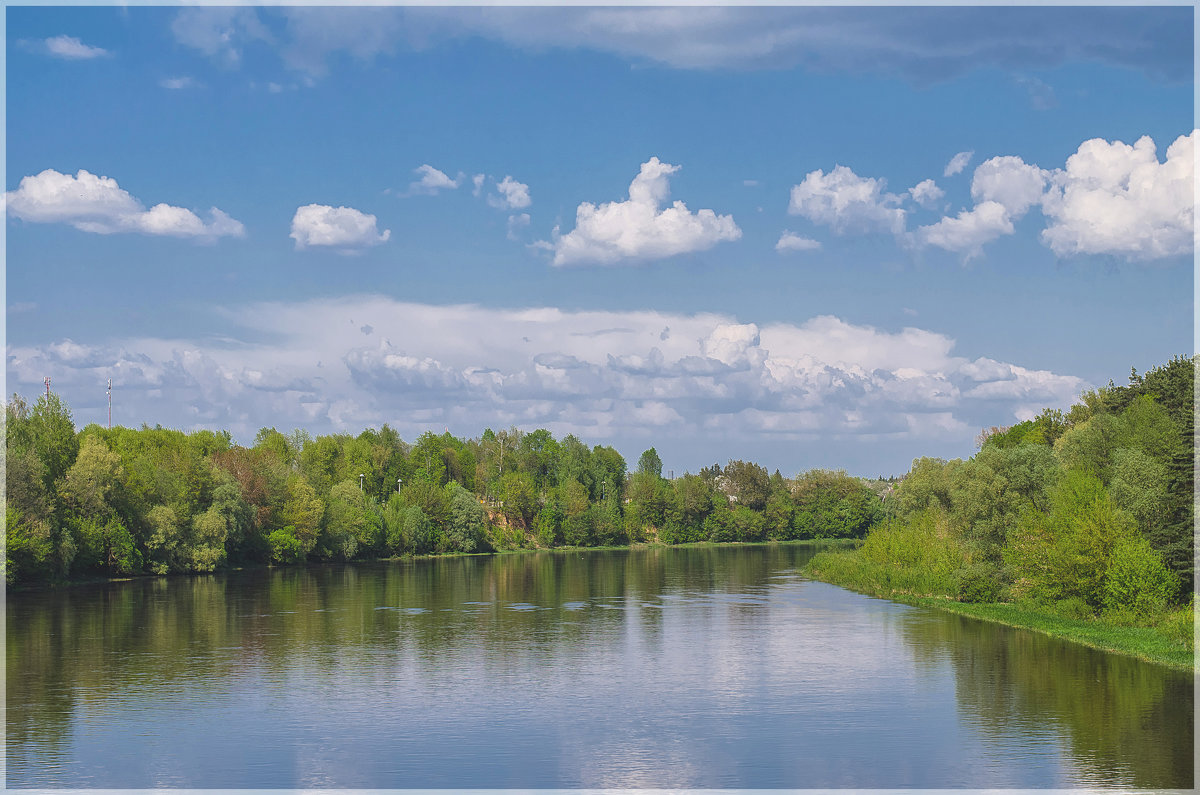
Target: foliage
(1086, 512)
(650, 464)
(285, 547)
(1136, 579)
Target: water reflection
(695, 667)
(1016, 687)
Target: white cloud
(926, 193)
(341, 227)
(513, 195)
(636, 229)
(968, 232)
(1117, 199)
(72, 49)
(431, 180)
(606, 376)
(99, 205)
(790, 241)
(221, 33)
(477, 184)
(515, 223)
(958, 163)
(313, 33)
(1011, 182)
(914, 43)
(847, 202)
(177, 83)
(1111, 198)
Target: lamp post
(398, 482)
(360, 482)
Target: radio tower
(47, 387)
(110, 404)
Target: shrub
(1179, 625)
(1137, 579)
(979, 582)
(285, 547)
(1073, 607)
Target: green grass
(1167, 643)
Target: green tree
(748, 484)
(302, 511)
(518, 498)
(1065, 553)
(465, 527)
(649, 463)
(351, 524)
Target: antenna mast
(110, 404)
(47, 387)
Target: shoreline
(1148, 644)
(818, 543)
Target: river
(681, 667)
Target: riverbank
(1164, 644)
(815, 543)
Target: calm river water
(696, 667)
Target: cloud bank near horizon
(351, 363)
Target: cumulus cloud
(1011, 182)
(1004, 188)
(341, 227)
(71, 48)
(605, 376)
(958, 163)
(969, 230)
(1113, 198)
(636, 229)
(926, 193)
(511, 195)
(847, 202)
(99, 205)
(790, 241)
(431, 180)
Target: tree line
(1087, 513)
(103, 502)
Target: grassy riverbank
(1168, 641)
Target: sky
(803, 236)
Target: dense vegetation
(115, 502)
(1087, 515)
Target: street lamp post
(360, 482)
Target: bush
(980, 582)
(1179, 625)
(1073, 607)
(1137, 580)
(285, 547)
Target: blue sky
(801, 236)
